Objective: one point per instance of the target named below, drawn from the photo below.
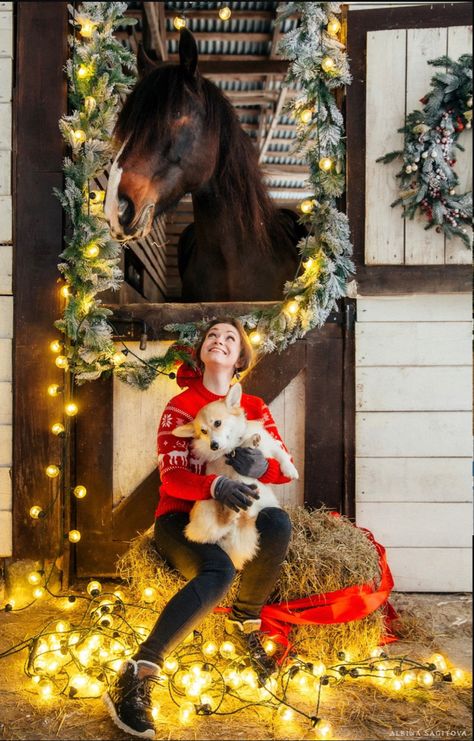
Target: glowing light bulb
(45, 688)
(91, 251)
(79, 136)
(308, 264)
(409, 679)
(306, 206)
(97, 196)
(396, 684)
(36, 512)
(62, 626)
(306, 115)
(208, 700)
(118, 358)
(80, 492)
(52, 666)
(95, 688)
(149, 594)
(457, 675)
(424, 678)
(269, 647)
(301, 681)
(292, 307)
(325, 164)
(94, 588)
(193, 690)
(439, 661)
(34, 578)
(71, 409)
(179, 22)
(52, 471)
(65, 292)
(323, 729)
(118, 593)
(55, 346)
(250, 677)
(209, 648)
(74, 536)
(57, 428)
(225, 13)
(375, 653)
(227, 650)
(255, 338)
(87, 28)
(334, 26)
(61, 362)
(186, 712)
(285, 713)
(54, 389)
(155, 711)
(170, 665)
(328, 64)
(79, 681)
(39, 592)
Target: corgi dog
(219, 428)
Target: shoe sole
(107, 701)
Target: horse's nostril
(214, 445)
(125, 211)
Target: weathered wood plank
(5, 360)
(413, 389)
(6, 226)
(5, 488)
(413, 343)
(5, 403)
(413, 434)
(413, 480)
(431, 569)
(419, 524)
(5, 269)
(6, 317)
(416, 308)
(422, 247)
(460, 42)
(385, 86)
(5, 445)
(6, 77)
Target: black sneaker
(128, 701)
(249, 638)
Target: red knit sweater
(183, 481)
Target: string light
(56, 346)
(39, 592)
(285, 713)
(255, 338)
(334, 26)
(118, 358)
(323, 729)
(439, 661)
(65, 292)
(179, 22)
(91, 251)
(325, 164)
(87, 28)
(36, 512)
(80, 491)
(458, 675)
(149, 594)
(57, 428)
(209, 648)
(79, 136)
(52, 471)
(61, 362)
(34, 578)
(186, 712)
(97, 196)
(54, 389)
(292, 307)
(84, 72)
(225, 13)
(74, 536)
(94, 588)
(306, 115)
(71, 409)
(424, 678)
(227, 650)
(307, 206)
(328, 64)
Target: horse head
(165, 148)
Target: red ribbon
(340, 606)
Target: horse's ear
(188, 52)
(145, 65)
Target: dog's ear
(184, 430)
(234, 396)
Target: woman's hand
(234, 494)
(248, 462)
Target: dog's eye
(217, 423)
(204, 431)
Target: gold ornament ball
(334, 26)
(325, 164)
(92, 251)
(328, 64)
(306, 206)
(79, 136)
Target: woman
(222, 352)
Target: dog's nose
(214, 445)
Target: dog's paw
(256, 439)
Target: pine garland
(427, 179)
(319, 64)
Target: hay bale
(326, 553)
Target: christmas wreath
(427, 179)
(318, 62)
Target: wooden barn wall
(137, 415)
(6, 297)
(397, 77)
(413, 436)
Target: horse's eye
(217, 423)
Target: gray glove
(248, 462)
(235, 494)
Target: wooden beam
(152, 16)
(280, 103)
(162, 29)
(224, 36)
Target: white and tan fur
(211, 521)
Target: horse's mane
(237, 170)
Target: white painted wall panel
(6, 225)
(288, 411)
(5, 403)
(5, 80)
(5, 172)
(418, 524)
(413, 343)
(5, 489)
(6, 317)
(436, 307)
(413, 389)
(5, 445)
(5, 360)
(413, 480)
(5, 534)
(431, 569)
(5, 268)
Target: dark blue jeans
(211, 572)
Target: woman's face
(221, 347)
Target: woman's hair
(246, 350)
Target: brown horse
(179, 134)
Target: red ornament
(424, 100)
(459, 124)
